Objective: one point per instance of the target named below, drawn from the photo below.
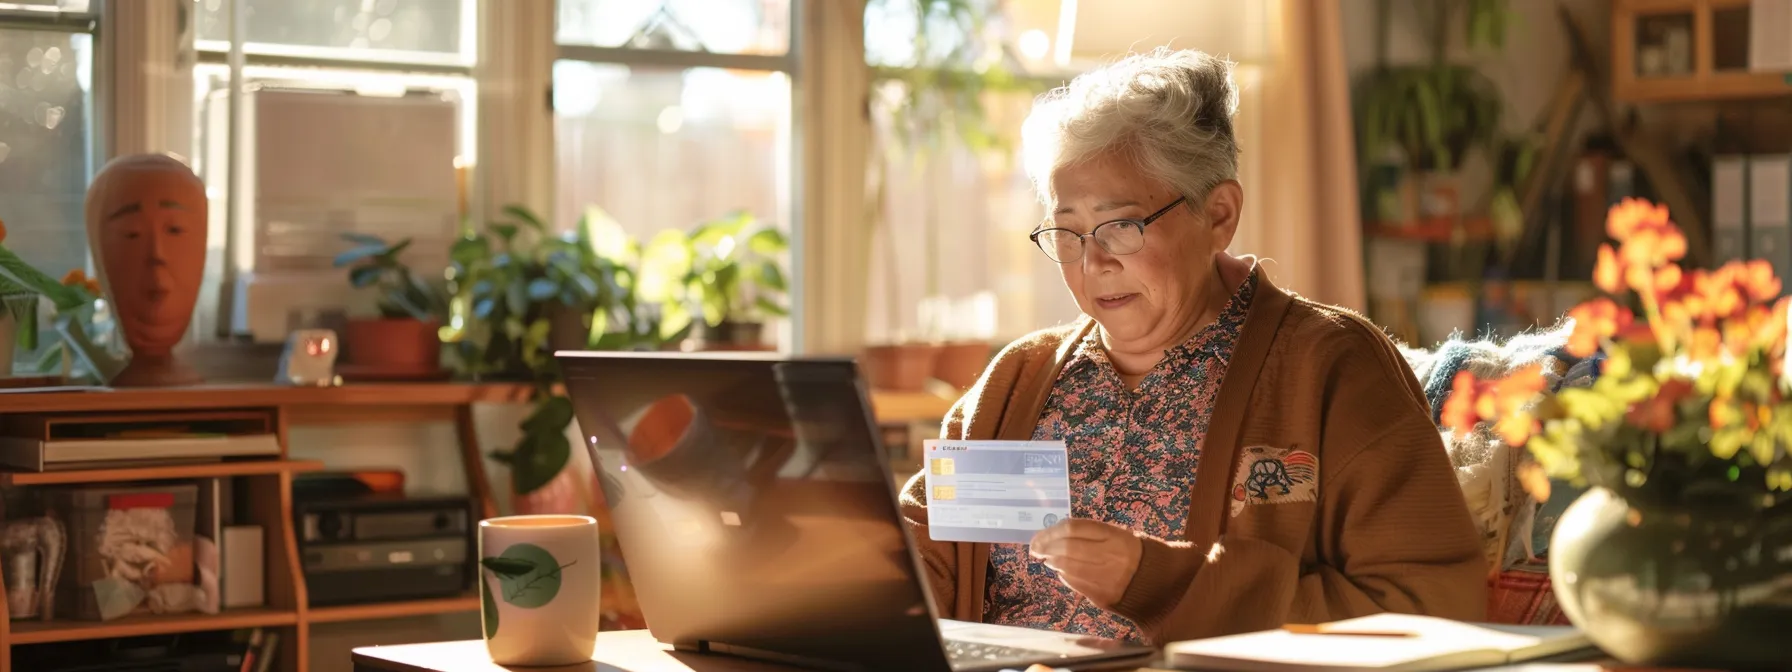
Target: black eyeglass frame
(1083, 238)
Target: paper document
(995, 491)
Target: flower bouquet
(1682, 550)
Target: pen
(1321, 629)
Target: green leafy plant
(519, 293)
(1434, 114)
(373, 262)
(729, 269)
(73, 300)
(513, 280)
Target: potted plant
(717, 283)
(1677, 552)
(22, 290)
(402, 341)
(520, 293)
(1417, 123)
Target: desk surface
(621, 651)
(638, 651)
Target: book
(1383, 642)
(40, 455)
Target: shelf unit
(1707, 29)
(268, 491)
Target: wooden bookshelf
(267, 499)
(361, 399)
(1706, 77)
(43, 632)
(374, 395)
(369, 612)
(162, 473)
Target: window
(950, 258)
(379, 94)
(46, 153)
(670, 113)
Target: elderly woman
(1240, 458)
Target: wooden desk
(622, 651)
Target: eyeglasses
(1120, 236)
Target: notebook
(1384, 642)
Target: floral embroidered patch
(1273, 476)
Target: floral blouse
(1132, 463)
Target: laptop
(757, 512)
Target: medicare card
(999, 492)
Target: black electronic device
(381, 548)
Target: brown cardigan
(1385, 528)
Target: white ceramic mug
(538, 587)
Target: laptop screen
(752, 503)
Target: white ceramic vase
(539, 587)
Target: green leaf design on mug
(488, 607)
(528, 575)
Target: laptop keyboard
(961, 653)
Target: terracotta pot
(904, 367)
(569, 328)
(393, 344)
(961, 363)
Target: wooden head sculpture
(146, 225)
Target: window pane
(46, 5)
(719, 26)
(45, 83)
(424, 26)
(952, 37)
(667, 148)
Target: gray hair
(1170, 112)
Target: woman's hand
(1094, 558)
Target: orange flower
(1760, 326)
(1755, 280)
(1608, 273)
(1706, 343)
(1459, 410)
(1473, 401)
(78, 278)
(1657, 414)
(1633, 215)
(2, 231)
(1595, 321)
(1650, 249)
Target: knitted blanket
(1486, 467)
